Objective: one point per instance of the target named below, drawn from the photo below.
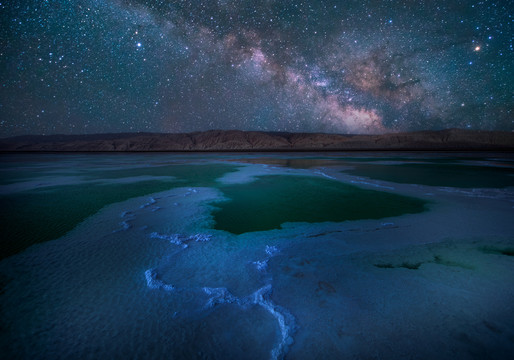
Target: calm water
(56, 199)
(257, 256)
(272, 200)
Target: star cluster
(365, 66)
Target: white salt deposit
(164, 284)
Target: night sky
(94, 66)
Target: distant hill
(235, 140)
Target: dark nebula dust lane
(365, 66)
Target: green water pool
(39, 215)
(452, 175)
(273, 200)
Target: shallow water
(453, 175)
(269, 201)
(60, 196)
(344, 265)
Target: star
(295, 66)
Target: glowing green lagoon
(48, 212)
(271, 201)
(453, 175)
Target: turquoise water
(443, 174)
(449, 170)
(256, 256)
(48, 212)
(270, 201)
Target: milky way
(91, 66)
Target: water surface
(257, 256)
(270, 201)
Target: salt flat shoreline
(152, 277)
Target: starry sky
(352, 66)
